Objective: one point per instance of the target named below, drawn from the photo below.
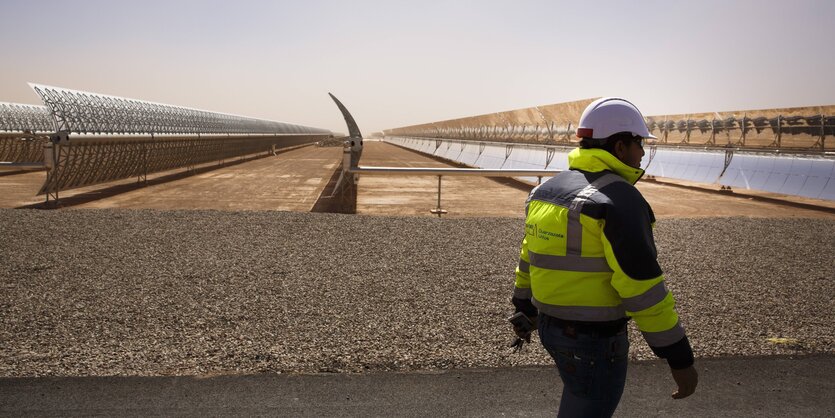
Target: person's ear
(620, 150)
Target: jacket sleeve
(522, 293)
(630, 251)
(522, 287)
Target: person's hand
(686, 379)
(525, 334)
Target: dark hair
(608, 144)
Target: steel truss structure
(791, 129)
(551, 124)
(16, 117)
(800, 129)
(88, 161)
(22, 148)
(90, 113)
(86, 138)
(23, 132)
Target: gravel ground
(121, 292)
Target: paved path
(736, 387)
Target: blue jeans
(592, 368)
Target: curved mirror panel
(492, 157)
(805, 176)
(469, 155)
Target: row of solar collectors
(796, 175)
(490, 155)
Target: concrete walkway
(734, 387)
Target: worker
(588, 264)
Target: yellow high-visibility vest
(588, 252)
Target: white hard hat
(609, 115)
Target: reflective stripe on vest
(572, 260)
(569, 262)
(647, 299)
(581, 313)
(574, 232)
(524, 266)
(665, 338)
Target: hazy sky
(395, 63)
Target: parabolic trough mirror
(790, 151)
(811, 176)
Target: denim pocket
(618, 351)
(618, 357)
(576, 370)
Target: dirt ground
(293, 181)
(685, 200)
(416, 195)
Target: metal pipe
(432, 171)
(438, 210)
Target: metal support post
(192, 145)
(687, 133)
(549, 156)
(743, 126)
(823, 132)
(52, 155)
(729, 155)
(548, 125)
(713, 131)
(779, 131)
(652, 150)
(143, 178)
(438, 211)
(54, 198)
